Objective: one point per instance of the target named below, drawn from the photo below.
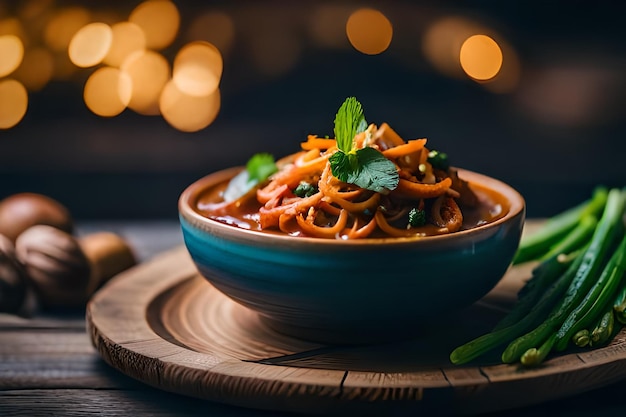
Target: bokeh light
(62, 26)
(36, 70)
(13, 26)
(480, 57)
(215, 27)
(442, 43)
(197, 69)
(107, 91)
(148, 71)
(369, 31)
(188, 113)
(127, 38)
(90, 44)
(12, 52)
(508, 78)
(159, 20)
(13, 103)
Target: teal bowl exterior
(360, 291)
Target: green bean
(537, 244)
(575, 238)
(581, 338)
(534, 356)
(619, 305)
(597, 299)
(542, 330)
(608, 229)
(604, 329)
(532, 318)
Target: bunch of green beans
(576, 296)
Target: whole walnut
(55, 264)
(20, 211)
(13, 284)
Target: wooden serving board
(163, 324)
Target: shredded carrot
(359, 206)
(313, 142)
(311, 229)
(420, 190)
(405, 149)
(272, 191)
(269, 216)
(356, 232)
(326, 207)
(386, 132)
(391, 230)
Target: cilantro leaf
(377, 173)
(367, 168)
(349, 121)
(260, 167)
(343, 165)
(417, 217)
(305, 189)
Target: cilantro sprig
(366, 167)
(258, 168)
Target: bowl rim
(192, 191)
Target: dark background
(558, 134)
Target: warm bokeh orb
(442, 40)
(188, 113)
(148, 72)
(369, 31)
(90, 44)
(11, 54)
(13, 26)
(13, 103)
(107, 91)
(159, 20)
(197, 69)
(127, 38)
(508, 78)
(481, 57)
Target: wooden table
(48, 365)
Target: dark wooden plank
(82, 402)
(70, 321)
(54, 359)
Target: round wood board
(163, 324)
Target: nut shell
(20, 211)
(55, 264)
(13, 284)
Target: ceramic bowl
(352, 291)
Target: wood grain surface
(164, 325)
